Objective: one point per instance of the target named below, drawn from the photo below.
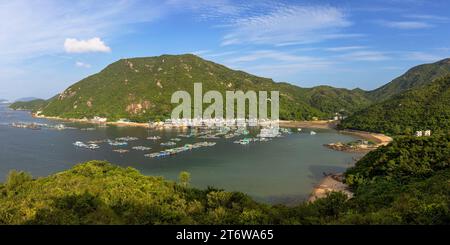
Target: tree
(184, 178)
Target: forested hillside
(424, 108)
(140, 89)
(415, 77)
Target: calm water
(282, 170)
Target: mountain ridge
(131, 88)
(426, 107)
(414, 77)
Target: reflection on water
(282, 170)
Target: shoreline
(330, 183)
(87, 121)
(335, 182)
(380, 139)
(321, 124)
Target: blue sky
(47, 45)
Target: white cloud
(272, 63)
(345, 48)
(428, 17)
(422, 56)
(82, 64)
(210, 9)
(34, 28)
(285, 25)
(72, 45)
(406, 24)
(272, 55)
(364, 56)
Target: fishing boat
(154, 138)
(152, 155)
(127, 138)
(117, 143)
(121, 151)
(170, 143)
(79, 144)
(96, 141)
(93, 146)
(245, 141)
(174, 151)
(141, 148)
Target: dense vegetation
(33, 105)
(406, 182)
(140, 89)
(415, 77)
(424, 108)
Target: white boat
(313, 133)
(93, 146)
(170, 143)
(141, 148)
(154, 138)
(79, 144)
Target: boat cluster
(247, 141)
(213, 122)
(174, 151)
(86, 146)
(38, 126)
(242, 134)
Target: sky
(47, 45)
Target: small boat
(170, 143)
(243, 141)
(96, 141)
(79, 144)
(128, 138)
(141, 148)
(117, 143)
(152, 155)
(154, 138)
(299, 129)
(93, 146)
(313, 133)
(175, 139)
(83, 145)
(121, 151)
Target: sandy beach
(331, 183)
(334, 182)
(379, 139)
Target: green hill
(140, 89)
(32, 105)
(425, 107)
(415, 77)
